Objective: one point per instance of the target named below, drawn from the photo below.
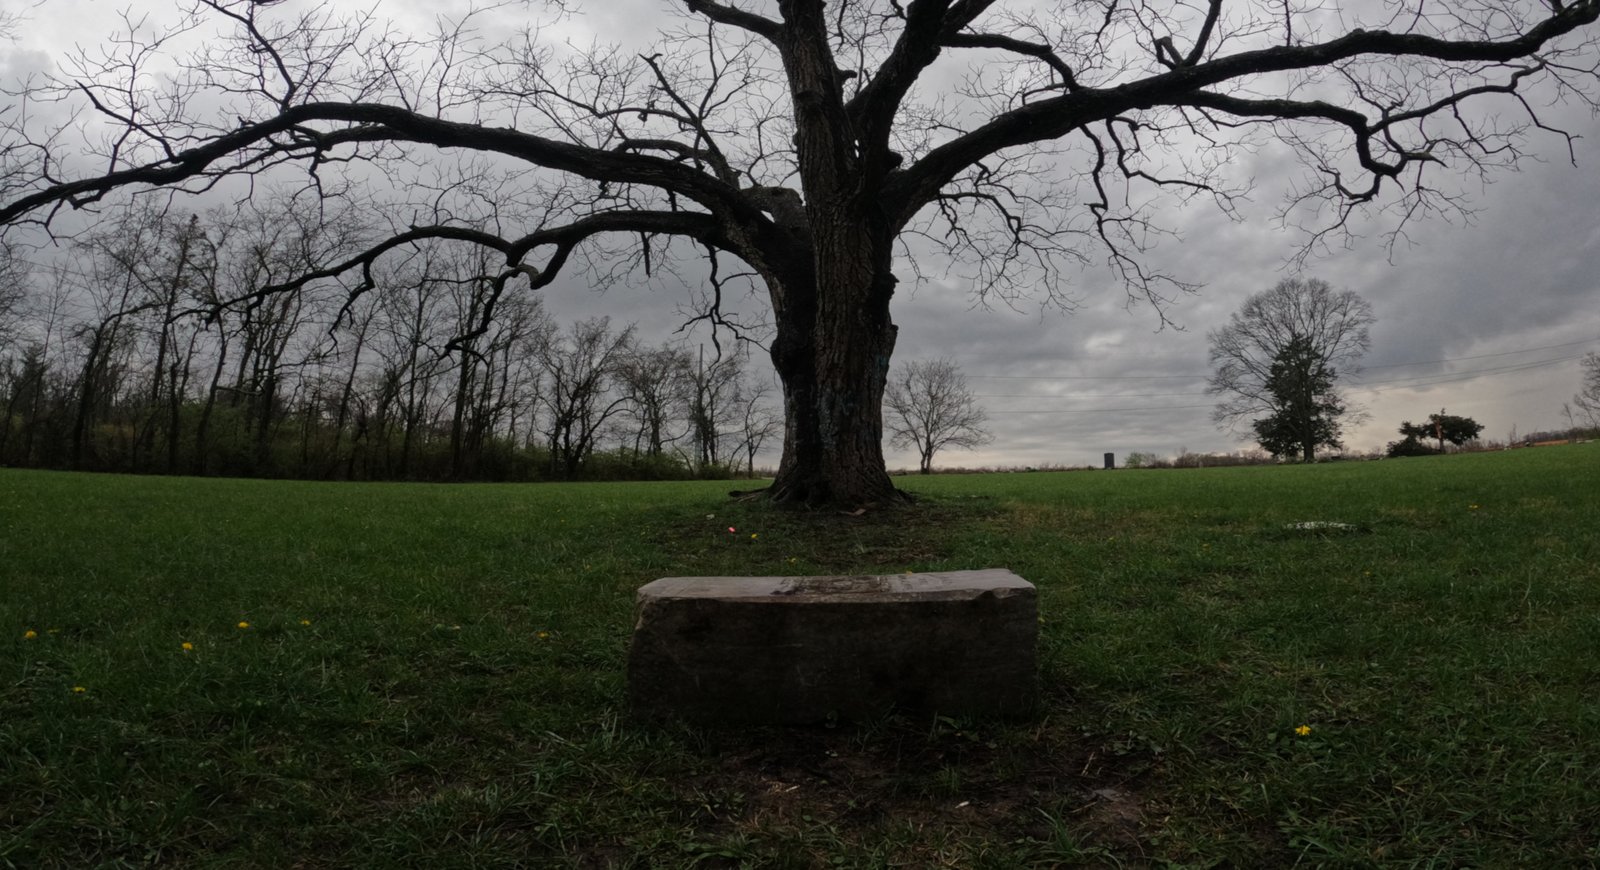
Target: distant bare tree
(930, 408)
(656, 381)
(23, 366)
(714, 388)
(101, 277)
(1279, 359)
(1584, 409)
(271, 331)
(353, 330)
(759, 421)
(171, 274)
(14, 276)
(483, 396)
(581, 368)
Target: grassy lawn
(431, 675)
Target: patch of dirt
(752, 538)
(1002, 785)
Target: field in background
(431, 674)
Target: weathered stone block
(791, 650)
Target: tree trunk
(16, 392)
(458, 415)
(31, 430)
(344, 400)
(463, 397)
(178, 385)
(832, 353)
(309, 423)
(167, 340)
(267, 403)
(88, 384)
(202, 429)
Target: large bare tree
(1279, 359)
(809, 140)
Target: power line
(1481, 355)
(1086, 396)
(1431, 380)
(1407, 382)
(1162, 408)
(1195, 377)
(1397, 384)
(1080, 377)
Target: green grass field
(430, 675)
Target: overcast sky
(1485, 318)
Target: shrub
(1409, 446)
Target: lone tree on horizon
(1306, 407)
(1444, 427)
(930, 408)
(1279, 359)
(803, 144)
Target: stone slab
(794, 650)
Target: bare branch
(381, 123)
(722, 13)
(1052, 118)
(1036, 50)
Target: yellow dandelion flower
(30, 634)
(542, 635)
(78, 690)
(1472, 507)
(244, 625)
(1303, 730)
(753, 537)
(305, 622)
(188, 647)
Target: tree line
(193, 344)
